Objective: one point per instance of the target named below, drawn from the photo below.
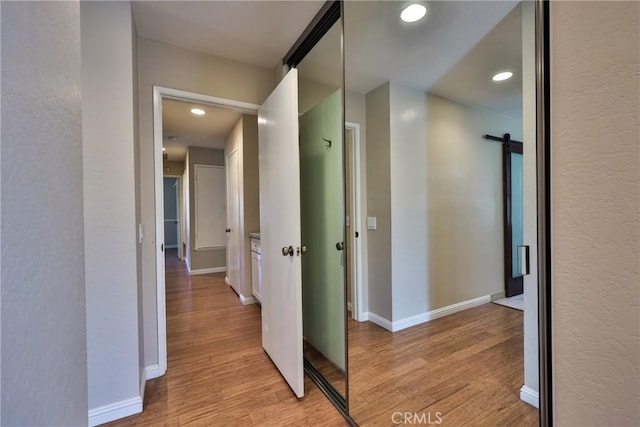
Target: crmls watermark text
(423, 418)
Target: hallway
(218, 373)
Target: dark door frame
(512, 285)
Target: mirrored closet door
(436, 341)
(322, 198)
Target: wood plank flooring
(468, 366)
(218, 373)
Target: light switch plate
(371, 223)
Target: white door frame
(357, 310)
(160, 93)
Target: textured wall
(108, 132)
(378, 201)
(465, 201)
(409, 194)
(44, 375)
(595, 212)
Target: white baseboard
(143, 383)
(115, 411)
(349, 306)
(208, 271)
(379, 320)
(226, 280)
(152, 371)
(530, 396)
(398, 325)
(247, 300)
(407, 322)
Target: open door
(280, 231)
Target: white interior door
(233, 222)
(280, 229)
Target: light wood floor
(468, 366)
(218, 374)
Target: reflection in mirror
(427, 338)
(322, 208)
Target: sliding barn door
(280, 231)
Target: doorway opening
(203, 231)
(173, 215)
(353, 221)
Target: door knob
(228, 230)
(303, 249)
(287, 251)
(340, 246)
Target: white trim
(247, 300)
(160, 92)
(171, 247)
(210, 248)
(380, 321)
(407, 322)
(229, 104)
(159, 219)
(208, 270)
(115, 411)
(349, 306)
(357, 291)
(530, 396)
(143, 383)
(152, 371)
(226, 280)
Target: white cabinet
(256, 269)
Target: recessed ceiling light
(164, 149)
(504, 75)
(414, 12)
(197, 111)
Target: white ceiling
(259, 33)
(453, 52)
(469, 81)
(379, 47)
(207, 131)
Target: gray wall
(410, 197)
(44, 375)
(111, 249)
(172, 168)
(203, 258)
(595, 212)
(435, 187)
(465, 202)
(171, 66)
(379, 201)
